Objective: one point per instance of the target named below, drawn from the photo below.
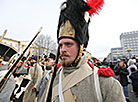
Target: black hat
(52, 56)
(74, 19)
(45, 56)
(133, 69)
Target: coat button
(75, 97)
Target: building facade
(116, 53)
(34, 49)
(129, 43)
(12, 43)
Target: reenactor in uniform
(42, 87)
(42, 62)
(36, 75)
(7, 84)
(22, 80)
(6, 93)
(50, 60)
(77, 80)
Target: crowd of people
(37, 70)
(126, 71)
(33, 73)
(29, 80)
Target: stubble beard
(66, 63)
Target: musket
(51, 80)
(3, 35)
(27, 58)
(13, 67)
(6, 52)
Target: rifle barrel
(3, 35)
(3, 81)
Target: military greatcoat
(78, 85)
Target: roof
(10, 39)
(7, 51)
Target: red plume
(95, 6)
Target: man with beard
(77, 79)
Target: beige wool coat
(80, 86)
(36, 75)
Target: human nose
(63, 48)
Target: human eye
(69, 44)
(60, 45)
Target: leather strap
(97, 85)
(67, 95)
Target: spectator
(134, 78)
(131, 65)
(123, 72)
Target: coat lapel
(73, 78)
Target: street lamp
(129, 50)
(118, 55)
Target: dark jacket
(122, 72)
(134, 78)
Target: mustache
(63, 54)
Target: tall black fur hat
(74, 19)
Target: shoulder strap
(97, 85)
(73, 79)
(73, 82)
(68, 97)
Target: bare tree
(41, 40)
(46, 44)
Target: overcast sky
(23, 18)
